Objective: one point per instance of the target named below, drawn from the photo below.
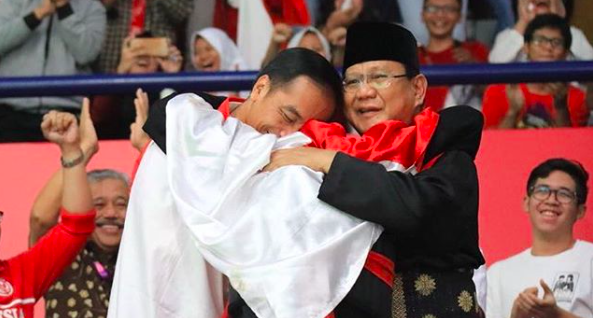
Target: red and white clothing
(539, 110)
(26, 277)
(438, 97)
(267, 232)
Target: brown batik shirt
(84, 287)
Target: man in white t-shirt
(509, 42)
(519, 287)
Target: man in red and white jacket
(25, 278)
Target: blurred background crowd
(70, 37)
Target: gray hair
(102, 174)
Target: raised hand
(557, 89)
(129, 55)
(515, 98)
(337, 36)
(61, 129)
(557, 7)
(343, 17)
(138, 138)
(463, 55)
(44, 9)
(526, 13)
(173, 62)
(282, 33)
(89, 143)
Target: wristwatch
(73, 162)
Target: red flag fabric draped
(225, 18)
(138, 16)
(290, 12)
(293, 12)
(387, 141)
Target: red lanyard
(138, 14)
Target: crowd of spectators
(69, 37)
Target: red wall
(504, 162)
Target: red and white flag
(256, 23)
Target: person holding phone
(142, 54)
(145, 53)
(128, 18)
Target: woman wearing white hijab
(214, 51)
(308, 38)
(312, 39)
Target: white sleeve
(580, 47)
(481, 283)
(493, 294)
(507, 46)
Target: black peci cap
(375, 41)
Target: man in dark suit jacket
(429, 247)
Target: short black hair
(552, 21)
(292, 63)
(573, 168)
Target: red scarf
(390, 140)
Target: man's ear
(419, 84)
(260, 88)
(526, 203)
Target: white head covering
(230, 57)
(296, 40)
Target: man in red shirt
(538, 105)
(26, 277)
(440, 18)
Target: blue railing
(581, 71)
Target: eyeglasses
(540, 40)
(375, 80)
(431, 8)
(543, 192)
